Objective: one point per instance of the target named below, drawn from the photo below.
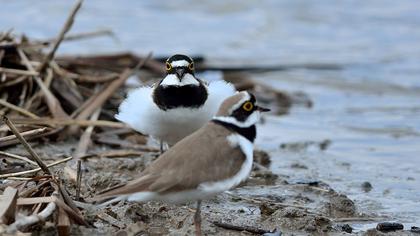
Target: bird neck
(247, 132)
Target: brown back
(204, 156)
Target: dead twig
(18, 72)
(117, 154)
(86, 136)
(63, 223)
(82, 146)
(18, 109)
(64, 30)
(8, 83)
(11, 155)
(111, 220)
(250, 229)
(79, 179)
(53, 104)
(82, 35)
(32, 219)
(34, 170)
(34, 155)
(73, 214)
(67, 122)
(111, 188)
(8, 205)
(24, 134)
(110, 89)
(33, 200)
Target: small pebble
(345, 228)
(389, 226)
(275, 233)
(415, 229)
(324, 144)
(366, 187)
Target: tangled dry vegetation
(47, 100)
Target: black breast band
(189, 96)
(249, 132)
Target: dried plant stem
(17, 72)
(81, 150)
(34, 170)
(34, 155)
(79, 179)
(110, 89)
(11, 155)
(64, 30)
(117, 154)
(85, 138)
(82, 147)
(18, 109)
(52, 102)
(82, 123)
(34, 200)
(247, 228)
(77, 36)
(71, 210)
(32, 219)
(8, 205)
(24, 134)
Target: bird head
(179, 71)
(240, 110)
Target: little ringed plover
(177, 105)
(213, 159)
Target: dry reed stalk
(34, 170)
(18, 109)
(28, 148)
(24, 134)
(64, 30)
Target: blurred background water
(369, 109)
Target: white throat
(172, 80)
(251, 120)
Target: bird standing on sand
(176, 106)
(213, 159)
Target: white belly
(140, 112)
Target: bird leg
(161, 147)
(197, 219)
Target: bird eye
(248, 106)
(168, 66)
(191, 66)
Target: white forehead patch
(251, 120)
(172, 80)
(179, 63)
(245, 97)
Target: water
(375, 137)
(369, 110)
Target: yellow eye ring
(191, 66)
(168, 66)
(248, 106)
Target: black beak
(262, 109)
(180, 71)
